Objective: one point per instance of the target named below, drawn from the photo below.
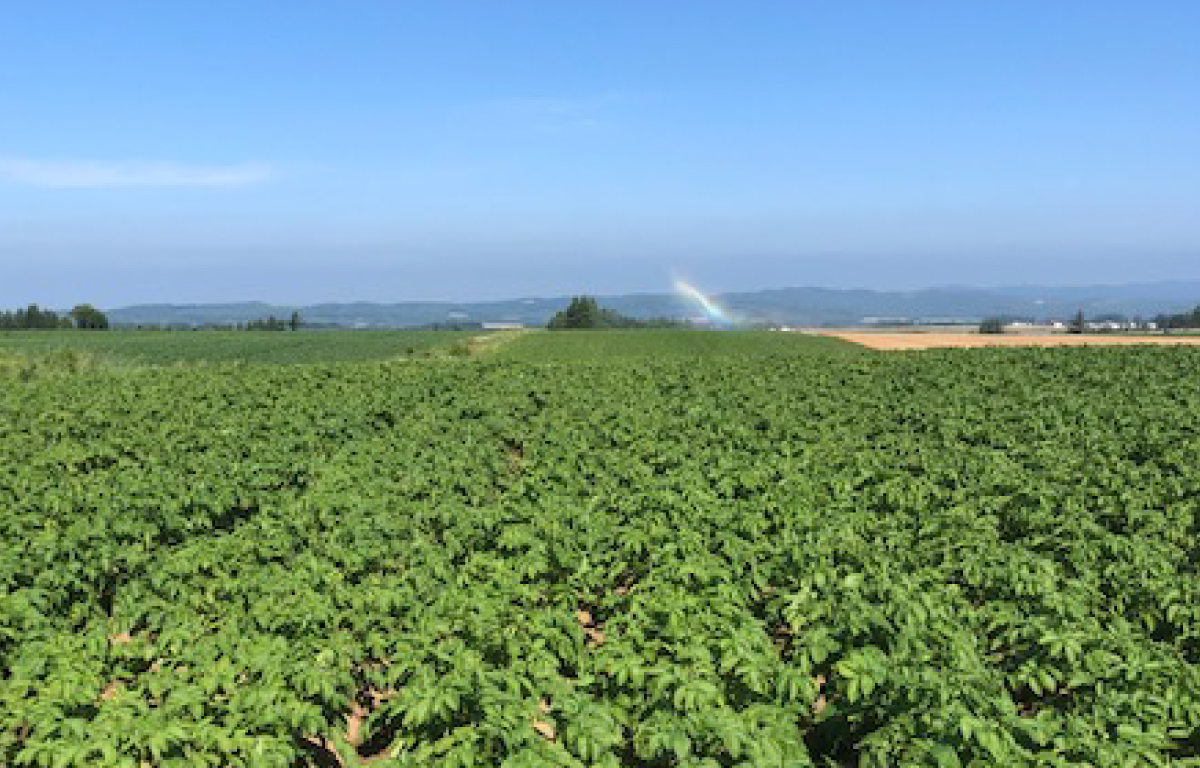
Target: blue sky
(299, 151)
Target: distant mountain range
(790, 306)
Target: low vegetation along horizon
(158, 348)
(636, 548)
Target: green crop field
(165, 347)
(704, 550)
(602, 345)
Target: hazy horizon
(298, 153)
(1157, 289)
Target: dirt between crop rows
(900, 341)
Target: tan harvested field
(900, 341)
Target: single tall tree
(1078, 323)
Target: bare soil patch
(901, 341)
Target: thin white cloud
(66, 173)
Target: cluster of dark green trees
(1182, 320)
(272, 323)
(992, 325)
(33, 317)
(585, 312)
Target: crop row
(209, 346)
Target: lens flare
(715, 314)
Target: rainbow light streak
(715, 314)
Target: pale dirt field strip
(898, 341)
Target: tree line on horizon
(1079, 323)
(1181, 320)
(33, 317)
(87, 317)
(269, 323)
